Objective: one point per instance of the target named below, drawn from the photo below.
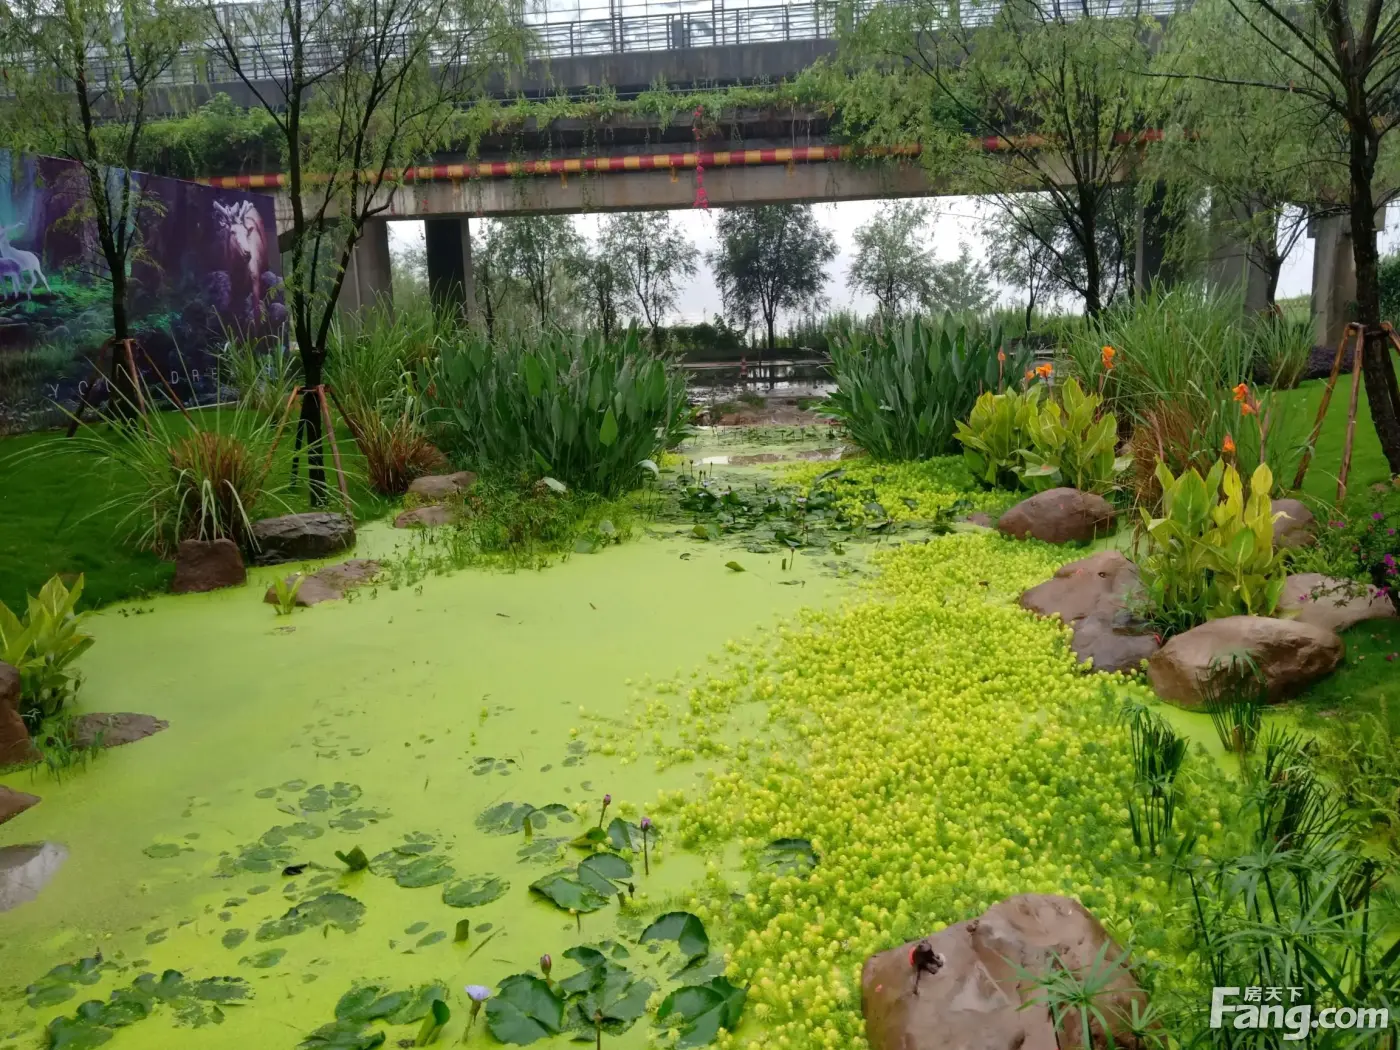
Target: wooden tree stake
(1351, 413)
(1322, 408)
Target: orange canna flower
(1229, 446)
(1248, 409)
(1044, 370)
(1108, 355)
(1030, 374)
(1241, 392)
(1001, 356)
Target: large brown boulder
(441, 486)
(1324, 601)
(13, 803)
(972, 992)
(431, 516)
(16, 749)
(207, 565)
(1059, 516)
(330, 583)
(300, 537)
(1295, 527)
(1290, 656)
(1091, 597)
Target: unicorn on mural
(27, 262)
(10, 270)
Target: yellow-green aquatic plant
(1211, 552)
(286, 593)
(996, 432)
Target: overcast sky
(956, 221)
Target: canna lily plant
(1211, 553)
(1071, 444)
(43, 646)
(995, 433)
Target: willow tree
(358, 90)
(82, 81)
(1040, 98)
(1338, 63)
(1248, 151)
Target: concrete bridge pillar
(1334, 277)
(1231, 266)
(450, 279)
(1151, 266)
(368, 279)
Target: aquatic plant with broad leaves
(900, 390)
(582, 408)
(1072, 443)
(995, 432)
(1211, 552)
(43, 646)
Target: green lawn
(1368, 466)
(56, 516)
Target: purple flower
(546, 964)
(1378, 516)
(646, 824)
(478, 993)
(1337, 524)
(607, 800)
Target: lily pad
(524, 1010)
(699, 1011)
(600, 870)
(425, 871)
(162, 850)
(682, 927)
(569, 894)
(343, 1035)
(623, 834)
(789, 856)
(329, 909)
(474, 892)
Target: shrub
(262, 376)
(1211, 554)
(1071, 444)
(581, 408)
(1282, 346)
(995, 433)
(42, 647)
(196, 477)
(395, 443)
(901, 389)
(1014, 438)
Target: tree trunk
(309, 427)
(1093, 265)
(1376, 364)
(125, 397)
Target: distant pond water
(781, 377)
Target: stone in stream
(441, 486)
(965, 986)
(1323, 601)
(1090, 596)
(431, 516)
(16, 749)
(113, 729)
(1060, 515)
(25, 870)
(300, 537)
(13, 803)
(330, 583)
(207, 565)
(1290, 655)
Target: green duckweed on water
(376, 802)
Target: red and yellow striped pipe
(578, 165)
(498, 169)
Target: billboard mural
(207, 266)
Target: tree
(358, 89)
(1051, 94)
(1342, 60)
(960, 285)
(1023, 259)
(892, 264)
(770, 259)
(80, 77)
(652, 257)
(601, 284)
(540, 251)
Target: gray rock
(1060, 515)
(1333, 604)
(25, 870)
(300, 537)
(1090, 596)
(1290, 656)
(13, 803)
(115, 729)
(1295, 528)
